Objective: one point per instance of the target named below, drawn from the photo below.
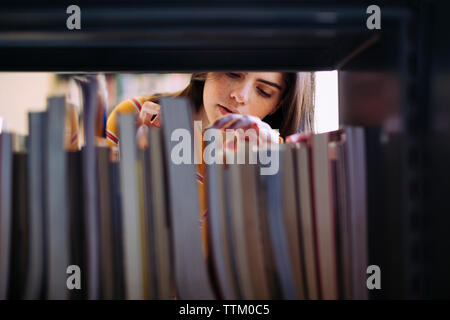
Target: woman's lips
(224, 110)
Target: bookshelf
(391, 79)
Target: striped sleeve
(132, 105)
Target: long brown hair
(294, 113)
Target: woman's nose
(240, 94)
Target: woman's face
(246, 93)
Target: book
(143, 225)
(89, 91)
(6, 168)
(228, 186)
(106, 224)
(117, 234)
(344, 224)
(272, 185)
(325, 217)
(356, 175)
(249, 254)
(292, 219)
(20, 224)
(150, 253)
(306, 215)
(57, 222)
(131, 219)
(219, 224)
(269, 256)
(35, 186)
(191, 275)
(76, 207)
(163, 241)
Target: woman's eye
(265, 94)
(233, 75)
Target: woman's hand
(262, 130)
(149, 116)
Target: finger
(245, 133)
(221, 122)
(258, 124)
(148, 105)
(298, 137)
(241, 123)
(146, 116)
(156, 121)
(265, 125)
(230, 123)
(261, 125)
(114, 154)
(249, 136)
(265, 132)
(148, 112)
(242, 135)
(142, 137)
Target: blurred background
(23, 92)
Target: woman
(230, 100)
(266, 100)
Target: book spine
(130, 209)
(190, 268)
(5, 210)
(19, 244)
(106, 227)
(307, 220)
(325, 217)
(356, 163)
(218, 223)
(240, 249)
(291, 218)
(37, 122)
(277, 233)
(89, 89)
(149, 210)
(160, 217)
(56, 220)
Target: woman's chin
(219, 114)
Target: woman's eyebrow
(270, 83)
